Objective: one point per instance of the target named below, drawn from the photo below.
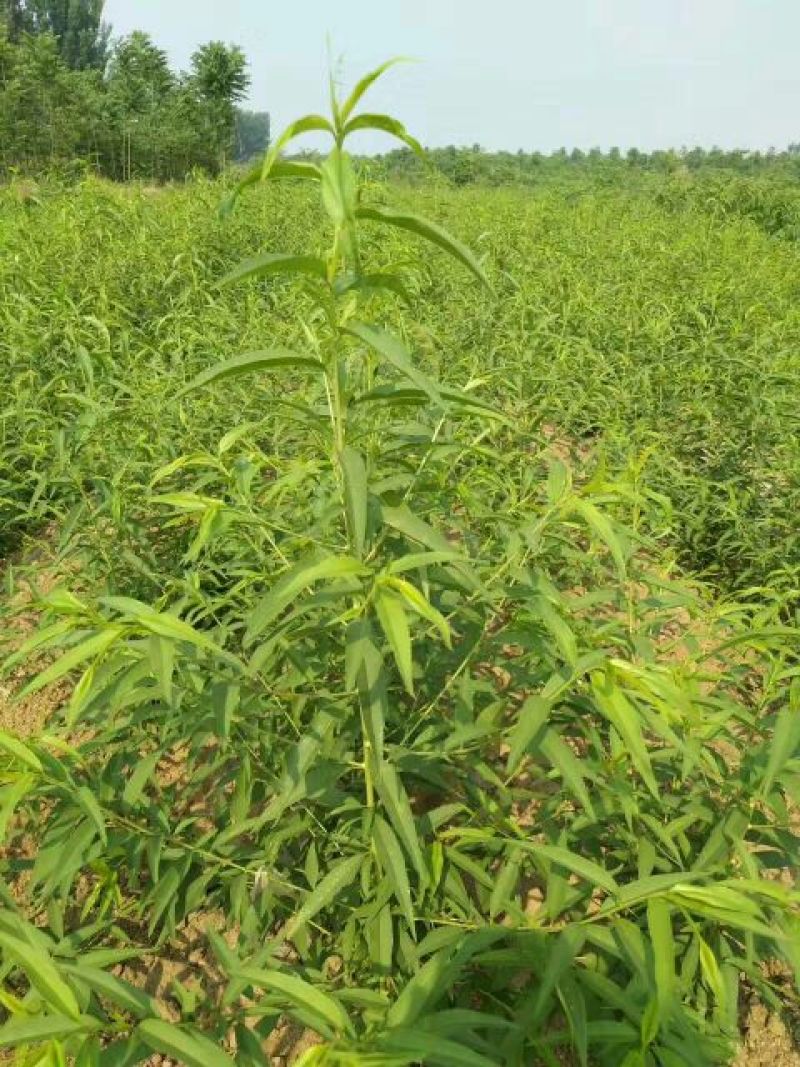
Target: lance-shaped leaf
(659, 923)
(252, 363)
(276, 263)
(325, 892)
(364, 84)
(386, 124)
(432, 1049)
(785, 741)
(165, 625)
(398, 807)
(531, 719)
(354, 472)
(421, 605)
(40, 1028)
(307, 124)
(392, 861)
(430, 231)
(375, 281)
(300, 994)
(364, 669)
(392, 616)
(114, 989)
(625, 718)
(571, 861)
(293, 582)
(188, 1047)
(18, 750)
(282, 168)
(41, 972)
(395, 352)
(91, 648)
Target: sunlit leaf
(430, 231)
(270, 359)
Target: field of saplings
(399, 618)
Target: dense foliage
(475, 165)
(68, 98)
(392, 704)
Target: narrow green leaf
(41, 973)
(395, 352)
(601, 525)
(659, 923)
(300, 994)
(190, 1048)
(293, 582)
(557, 751)
(41, 1028)
(339, 188)
(398, 807)
(625, 719)
(363, 85)
(562, 950)
(531, 718)
(282, 168)
(355, 497)
(85, 798)
(10, 797)
(386, 124)
(784, 745)
(91, 648)
(250, 363)
(404, 520)
(417, 560)
(394, 622)
(561, 632)
(166, 625)
(430, 231)
(276, 263)
(431, 982)
(432, 1050)
(118, 991)
(562, 857)
(307, 124)
(18, 750)
(712, 975)
(505, 886)
(323, 894)
(364, 669)
(418, 603)
(393, 863)
(141, 775)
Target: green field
(442, 682)
(665, 342)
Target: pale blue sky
(533, 74)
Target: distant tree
(219, 76)
(139, 77)
(252, 133)
(77, 26)
(15, 19)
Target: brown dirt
(766, 1041)
(28, 716)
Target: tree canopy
(67, 92)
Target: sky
(510, 74)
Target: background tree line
(475, 165)
(68, 92)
